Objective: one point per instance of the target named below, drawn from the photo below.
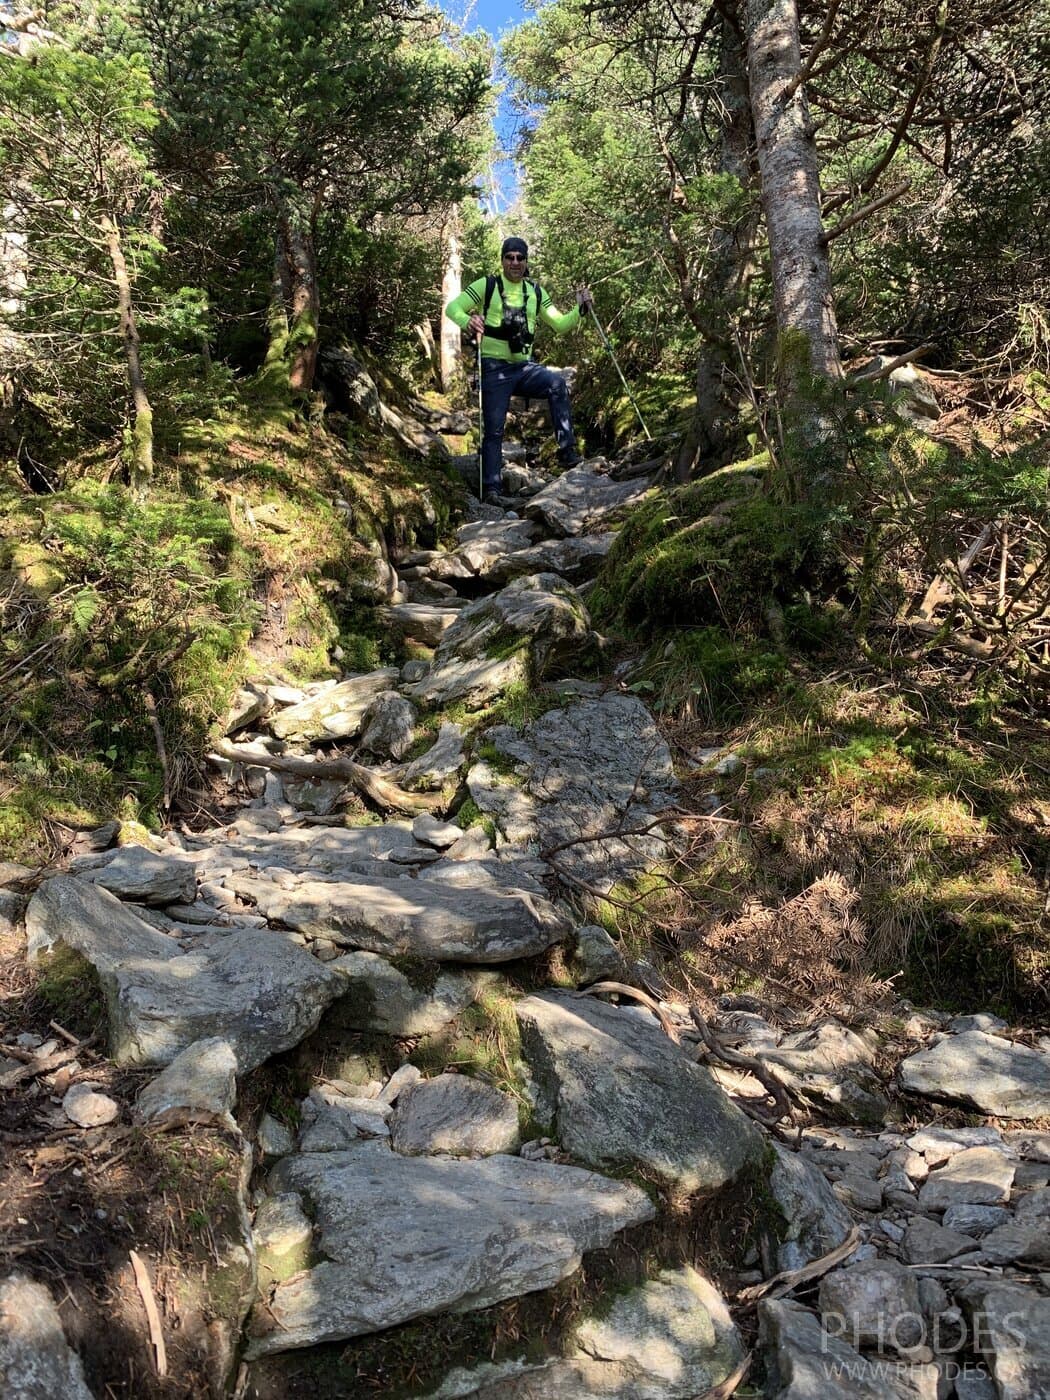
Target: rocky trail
(622, 1160)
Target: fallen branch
(149, 1302)
(669, 1028)
(870, 376)
(782, 1283)
(773, 1086)
(380, 790)
(38, 1066)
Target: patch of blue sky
(497, 17)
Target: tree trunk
(141, 411)
(728, 270)
(295, 305)
(787, 161)
(451, 286)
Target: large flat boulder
(583, 499)
(489, 923)
(323, 850)
(529, 627)
(337, 712)
(403, 1237)
(618, 1093)
(596, 766)
(256, 988)
(982, 1071)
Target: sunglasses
(514, 257)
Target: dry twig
(782, 1283)
(149, 1302)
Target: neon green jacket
(472, 298)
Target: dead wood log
(384, 793)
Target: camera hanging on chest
(514, 322)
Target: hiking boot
(569, 459)
(491, 498)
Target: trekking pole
(481, 430)
(619, 371)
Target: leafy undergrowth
(128, 624)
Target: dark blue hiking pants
(499, 381)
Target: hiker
(503, 310)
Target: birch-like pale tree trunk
(141, 409)
(787, 162)
(451, 286)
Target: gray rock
(281, 1224)
(575, 559)
(414, 671)
(440, 764)
(618, 1092)
(834, 1065)
(873, 1304)
(85, 1106)
(250, 703)
(1019, 1242)
(992, 1074)
(805, 1362)
(474, 844)
(199, 1086)
(389, 724)
(816, 1220)
(585, 498)
(435, 832)
(938, 1144)
(1011, 1326)
(474, 682)
(383, 999)
(425, 919)
(454, 1114)
(982, 1021)
(405, 1237)
(336, 713)
(860, 1192)
(540, 620)
(274, 1138)
(321, 795)
(261, 991)
(12, 907)
(579, 772)
(402, 1078)
(599, 958)
(1033, 1206)
(132, 872)
(977, 1176)
(36, 1363)
(973, 1384)
(927, 1243)
(669, 1339)
(422, 622)
(974, 1220)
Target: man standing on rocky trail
(503, 310)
